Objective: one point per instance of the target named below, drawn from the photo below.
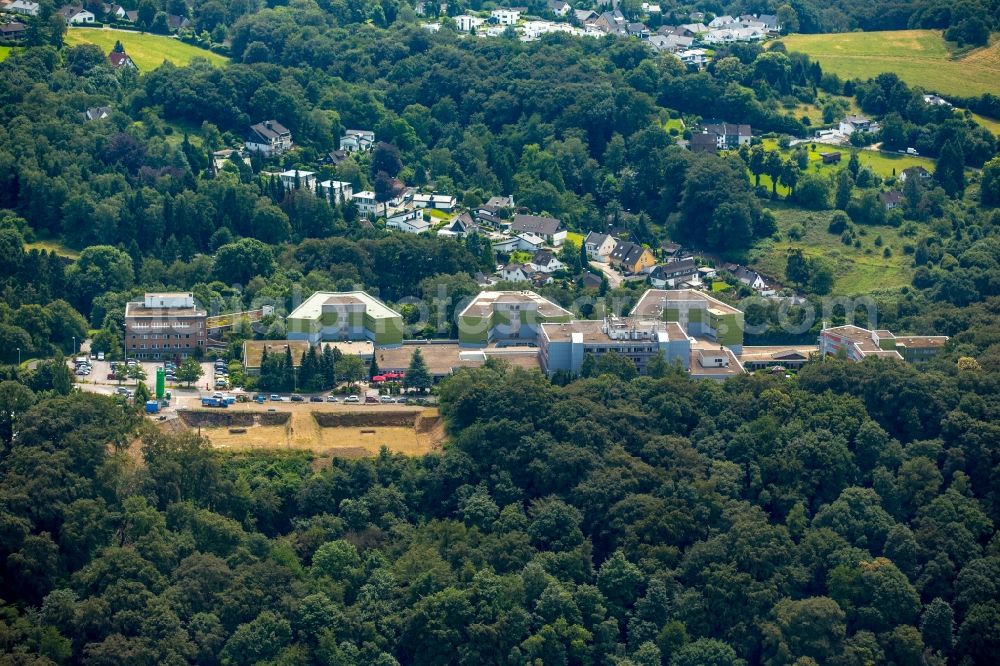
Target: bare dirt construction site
(326, 430)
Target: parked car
(352, 398)
(316, 398)
(386, 399)
(275, 397)
(100, 356)
(259, 399)
(121, 390)
(170, 378)
(371, 400)
(332, 398)
(297, 398)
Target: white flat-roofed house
(337, 191)
(506, 17)
(295, 179)
(468, 23)
(365, 202)
(409, 221)
(357, 141)
(443, 202)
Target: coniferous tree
(950, 171)
(417, 375)
(288, 371)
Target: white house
(527, 242)
(693, 57)
(506, 16)
(852, 124)
(294, 178)
(559, 8)
(721, 21)
(443, 202)
(468, 23)
(515, 273)
(409, 221)
(365, 201)
(269, 138)
(337, 191)
(76, 15)
(355, 141)
(544, 261)
(599, 246)
(752, 279)
(26, 7)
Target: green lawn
(147, 51)
(574, 238)
(988, 123)
(919, 57)
(857, 270)
(883, 163)
(438, 214)
(5, 51)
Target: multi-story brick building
(164, 326)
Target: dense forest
(846, 517)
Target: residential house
(365, 202)
(293, 179)
(673, 274)
(637, 30)
(409, 221)
(114, 11)
(97, 113)
(729, 135)
(337, 191)
(590, 280)
(175, 22)
(770, 23)
(527, 242)
(357, 141)
(611, 23)
(506, 17)
(13, 31)
(670, 249)
(921, 174)
(934, 100)
(467, 23)
(750, 278)
(695, 58)
(269, 138)
(26, 7)
(515, 272)
(670, 43)
(599, 246)
(651, 9)
(546, 227)
(76, 15)
(461, 226)
(584, 16)
(703, 142)
(723, 21)
(221, 157)
(444, 202)
(892, 199)
(558, 7)
(335, 157)
(494, 205)
(832, 157)
(631, 257)
(853, 123)
(693, 29)
(120, 59)
(545, 261)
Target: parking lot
(98, 378)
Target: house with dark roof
(891, 199)
(750, 278)
(175, 22)
(461, 226)
(97, 113)
(269, 138)
(729, 135)
(548, 228)
(703, 142)
(631, 257)
(545, 261)
(673, 274)
(558, 7)
(120, 60)
(921, 174)
(75, 14)
(11, 32)
(637, 30)
(599, 246)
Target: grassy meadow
(857, 270)
(919, 57)
(147, 51)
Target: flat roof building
(253, 351)
(563, 346)
(856, 343)
(507, 317)
(164, 325)
(343, 316)
(699, 314)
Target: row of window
(162, 337)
